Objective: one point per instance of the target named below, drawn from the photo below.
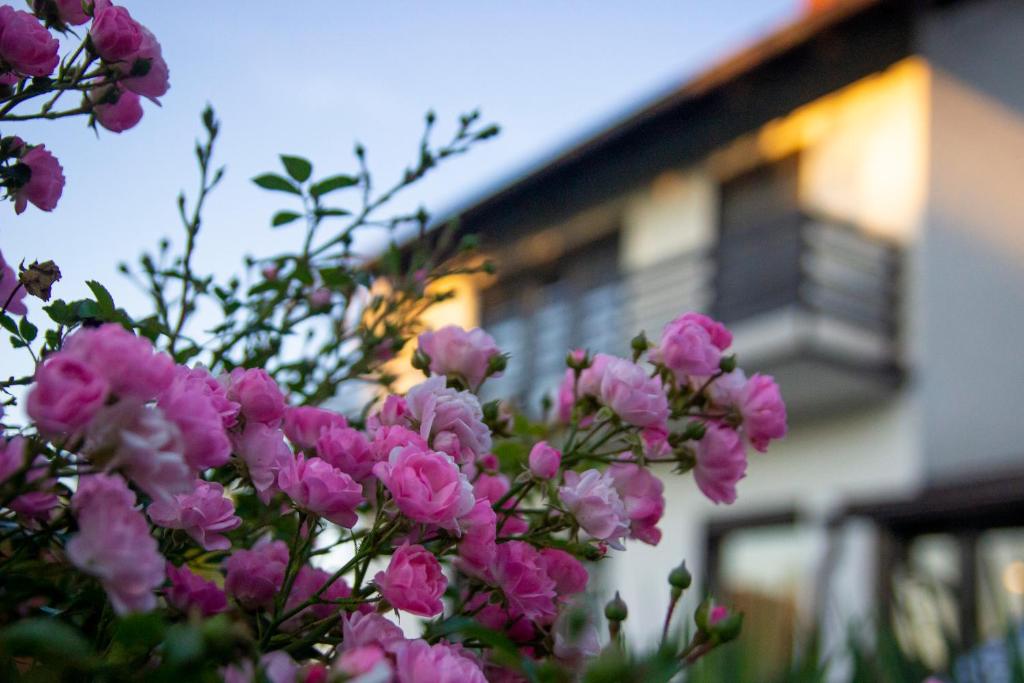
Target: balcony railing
(813, 300)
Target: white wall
(872, 454)
(973, 252)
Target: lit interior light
(1013, 577)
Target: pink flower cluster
(113, 543)
(449, 420)
(622, 386)
(133, 66)
(460, 353)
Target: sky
(312, 78)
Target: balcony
(813, 301)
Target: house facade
(848, 196)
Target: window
(537, 316)
(758, 251)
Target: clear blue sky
(311, 78)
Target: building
(848, 195)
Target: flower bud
(727, 628)
(421, 361)
(728, 363)
(578, 360)
(616, 609)
(717, 621)
(497, 363)
(38, 278)
(639, 344)
(680, 577)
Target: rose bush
(182, 503)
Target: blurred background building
(848, 196)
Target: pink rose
(348, 450)
(146, 72)
(493, 487)
(591, 498)
(497, 618)
(257, 393)
(115, 36)
(255, 576)
(590, 378)
(413, 581)
(307, 582)
(101, 489)
(190, 592)
(138, 440)
(393, 411)
(427, 486)
(519, 572)
(200, 379)
(205, 515)
(763, 411)
(12, 457)
(45, 182)
(318, 487)
(129, 363)
(303, 425)
(275, 667)
(692, 344)
(632, 395)
(66, 395)
(455, 351)
(115, 109)
(477, 546)
(575, 634)
(37, 504)
(420, 662)
(568, 573)
(389, 437)
(71, 12)
(642, 495)
(721, 463)
(10, 290)
(26, 47)
(359, 629)
(114, 545)
(367, 659)
(445, 412)
(544, 460)
(189, 403)
(264, 452)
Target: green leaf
(87, 309)
(8, 323)
(183, 645)
(272, 181)
(283, 217)
(138, 632)
(27, 329)
(58, 311)
(303, 274)
(331, 184)
(17, 343)
(332, 212)
(297, 167)
(45, 640)
(103, 298)
(336, 277)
